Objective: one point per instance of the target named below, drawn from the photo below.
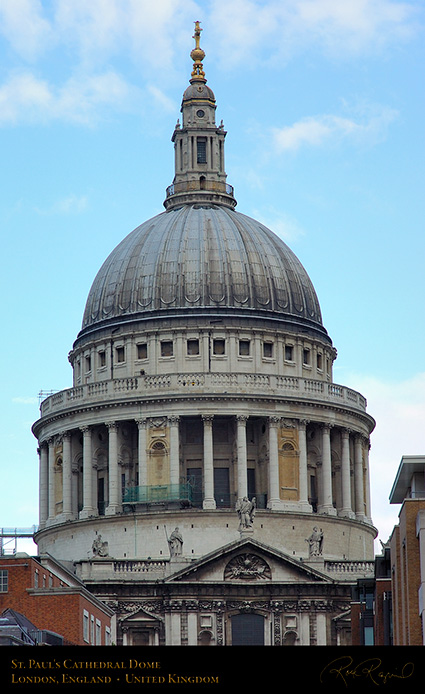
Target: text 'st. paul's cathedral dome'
(203, 442)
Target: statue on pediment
(246, 512)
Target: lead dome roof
(201, 260)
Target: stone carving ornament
(247, 567)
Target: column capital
(207, 419)
(242, 418)
(274, 421)
(173, 420)
(142, 423)
(86, 429)
(303, 423)
(111, 426)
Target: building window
(306, 357)
(289, 353)
(4, 581)
(107, 636)
(98, 633)
(88, 364)
(92, 632)
(36, 579)
(219, 347)
(167, 348)
(86, 626)
(102, 358)
(268, 350)
(201, 152)
(319, 362)
(120, 354)
(244, 348)
(142, 351)
(192, 347)
(50, 581)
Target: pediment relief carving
(247, 567)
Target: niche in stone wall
(289, 464)
(158, 468)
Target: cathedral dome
(197, 260)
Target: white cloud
(25, 98)
(370, 127)
(24, 27)
(399, 410)
(25, 400)
(277, 30)
(72, 204)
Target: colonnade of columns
(353, 499)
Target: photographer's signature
(345, 671)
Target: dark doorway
(247, 630)
(222, 487)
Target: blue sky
(323, 102)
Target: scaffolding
(9, 538)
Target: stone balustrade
(204, 383)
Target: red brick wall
(53, 611)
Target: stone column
(304, 629)
(346, 509)
(242, 461)
(367, 476)
(358, 477)
(67, 476)
(274, 486)
(321, 629)
(303, 472)
(88, 509)
(192, 629)
(173, 423)
(52, 491)
(114, 504)
(326, 501)
(209, 501)
(142, 468)
(43, 484)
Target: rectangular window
(268, 349)
(102, 358)
(306, 357)
(142, 351)
(319, 362)
(120, 354)
(219, 347)
(244, 348)
(92, 630)
(36, 579)
(4, 581)
(167, 348)
(88, 364)
(107, 636)
(98, 633)
(86, 626)
(289, 353)
(192, 347)
(201, 143)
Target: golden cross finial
(197, 55)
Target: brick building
(388, 609)
(407, 544)
(53, 599)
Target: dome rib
(196, 258)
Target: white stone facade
(203, 375)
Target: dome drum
(203, 387)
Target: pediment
(248, 561)
(137, 615)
